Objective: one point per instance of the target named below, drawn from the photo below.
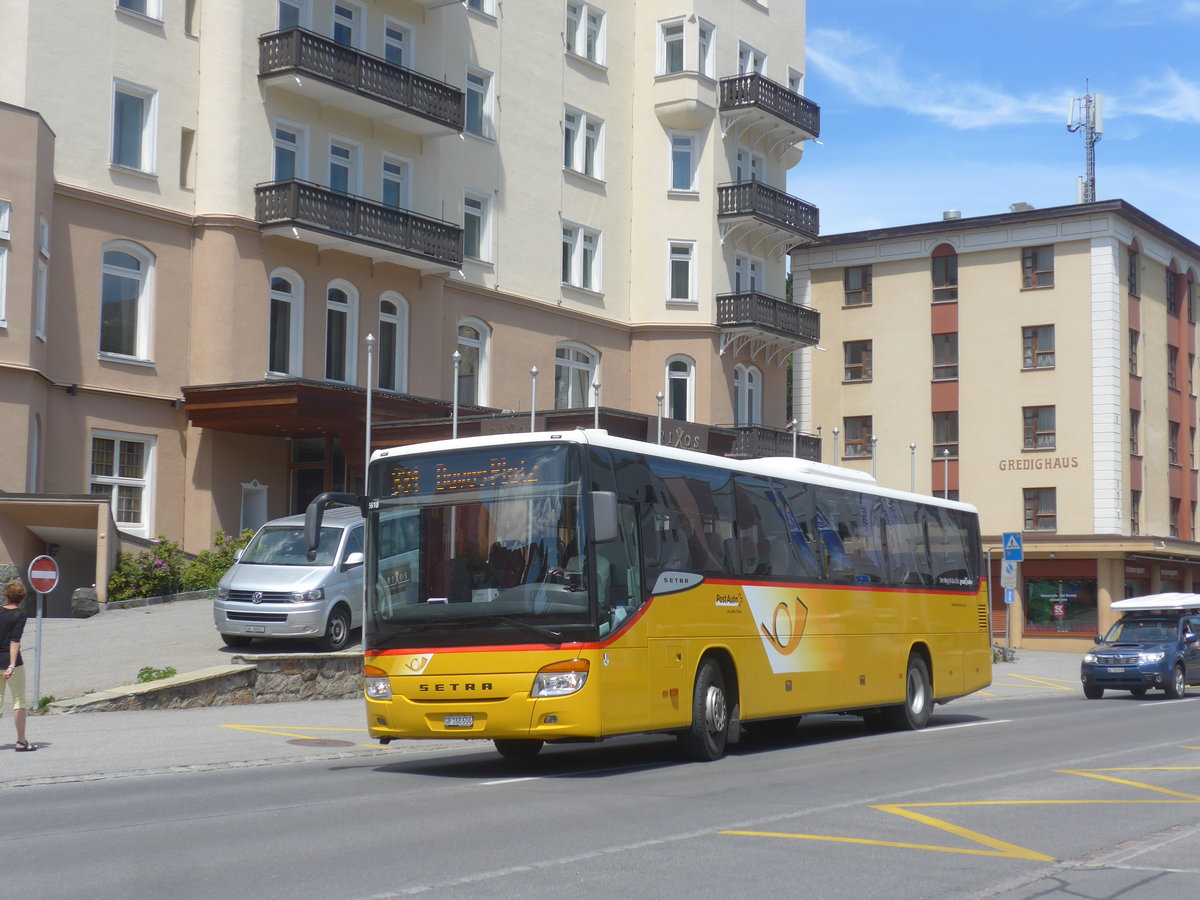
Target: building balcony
(755, 441)
(758, 112)
(334, 221)
(304, 63)
(765, 326)
(764, 220)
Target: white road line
(961, 725)
(511, 780)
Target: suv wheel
(1177, 686)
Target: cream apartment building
(1040, 364)
(206, 206)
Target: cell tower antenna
(1086, 115)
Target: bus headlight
(376, 684)
(560, 679)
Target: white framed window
(747, 395)
(708, 55)
(293, 14)
(477, 231)
(474, 339)
(343, 166)
(680, 389)
(3, 286)
(747, 273)
(748, 165)
(286, 316)
(134, 126)
(581, 257)
(487, 7)
(750, 60)
(291, 142)
(347, 24)
(39, 306)
(574, 373)
(479, 103)
(126, 289)
(151, 9)
(585, 31)
(43, 237)
(5, 218)
(670, 46)
(396, 187)
(122, 469)
(398, 43)
(393, 342)
(681, 272)
(583, 143)
(795, 81)
(341, 331)
(684, 154)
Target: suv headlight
(306, 596)
(1089, 657)
(560, 679)
(1151, 656)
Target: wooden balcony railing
(755, 90)
(756, 200)
(751, 309)
(754, 441)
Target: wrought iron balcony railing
(756, 91)
(753, 199)
(298, 50)
(310, 206)
(750, 309)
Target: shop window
(1060, 605)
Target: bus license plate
(458, 721)
(256, 629)
(1116, 669)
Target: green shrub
(149, 673)
(206, 569)
(165, 569)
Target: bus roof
(1168, 601)
(782, 467)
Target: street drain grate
(320, 742)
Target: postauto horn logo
(781, 618)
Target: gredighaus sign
(1039, 463)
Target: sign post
(43, 578)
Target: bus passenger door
(623, 661)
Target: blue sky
(928, 105)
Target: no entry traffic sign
(43, 574)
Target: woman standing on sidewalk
(12, 626)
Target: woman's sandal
(25, 747)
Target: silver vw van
(273, 590)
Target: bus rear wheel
(518, 749)
(705, 740)
(914, 713)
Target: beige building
(206, 208)
(1040, 364)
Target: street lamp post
(912, 468)
(596, 413)
(533, 373)
(795, 426)
(874, 455)
(457, 357)
(836, 431)
(946, 473)
(370, 342)
(658, 436)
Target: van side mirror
(237, 554)
(605, 525)
(353, 559)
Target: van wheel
(709, 732)
(236, 640)
(518, 749)
(918, 698)
(1177, 687)
(337, 631)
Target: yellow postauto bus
(575, 586)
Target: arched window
(944, 268)
(126, 285)
(574, 372)
(473, 342)
(286, 338)
(393, 342)
(341, 331)
(747, 395)
(681, 371)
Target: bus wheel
(518, 749)
(706, 738)
(918, 698)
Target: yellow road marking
(1057, 684)
(1095, 773)
(260, 730)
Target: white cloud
(1172, 98)
(873, 76)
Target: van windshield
(280, 546)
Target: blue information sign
(1014, 549)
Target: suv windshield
(1142, 631)
(280, 546)
(480, 538)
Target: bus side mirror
(316, 512)
(605, 526)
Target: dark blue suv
(1148, 648)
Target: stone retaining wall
(258, 679)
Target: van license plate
(256, 629)
(458, 721)
(1116, 669)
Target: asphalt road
(1036, 793)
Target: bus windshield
(479, 540)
